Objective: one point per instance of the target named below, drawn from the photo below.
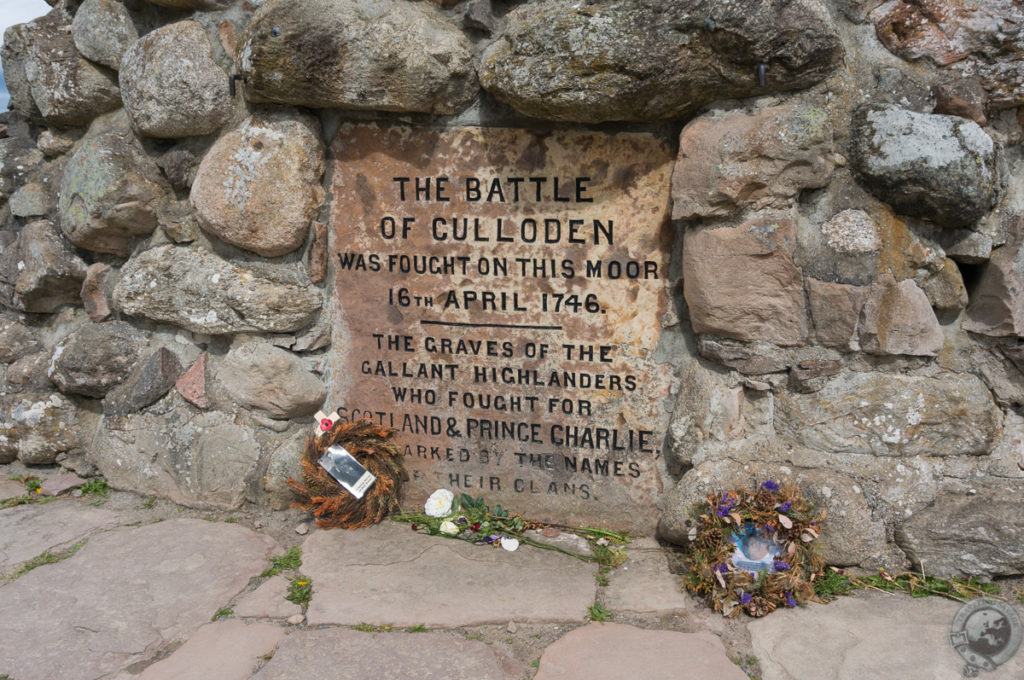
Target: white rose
(440, 503)
(449, 527)
(510, 544)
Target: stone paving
(160, 593)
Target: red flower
(476, 526)
(326, 424)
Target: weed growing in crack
(300, 591)
(223, 613)
(46, 558)
(96, 487)
(290, 560)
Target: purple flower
(780, 565)
(745, 598)
(726, 506)
(786, 506)
(721, 568)
(770, 485)
(790, 600)
(462, 520)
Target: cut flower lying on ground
(471, 519)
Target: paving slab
(225, 650)
(387, 574)
(127, 593)
(58, 484)
(866, 635)
(612, 651)
(341, 654)
(644, 584)
(11, 489)
(267, 601)
(30, 530)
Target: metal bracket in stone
(762, 69)
(231, 82)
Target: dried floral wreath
(329, 502)
(754, 551)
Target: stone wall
(848, 191)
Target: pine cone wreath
(330, 503)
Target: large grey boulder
(893, 415)
(103, 31)
(941, 168)
(36, 427)
(95, 357)
(605, 60)
(259, 186)
(195, 289)
(171, 85)
(39, 272)
(111, 194)
(50, 79)
(960, 535)
(202, 460)
(386, 55)
(272, 380)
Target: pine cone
(710, 538)
(759, 606)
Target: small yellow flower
(39, 490)
(303, 583)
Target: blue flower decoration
(790, 600)
(780, 565)
(721, 568)
(745, 598)
(786, 506)
(770, 485)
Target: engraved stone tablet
(499, 301)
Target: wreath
(754, 550)
(330, 503)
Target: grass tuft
(46, 558)
(290, 560)
(836, 582)
(598, 612)
(223, 613)
(96, 487)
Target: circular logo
(986, 633)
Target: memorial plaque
(499, 301)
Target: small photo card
(755, 550)
(346, 469)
